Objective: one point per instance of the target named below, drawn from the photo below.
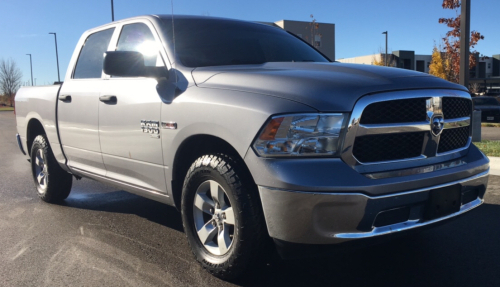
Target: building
(486, 73)
(322, 38)
(487, 67)
(401, 59)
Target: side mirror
(130, 64)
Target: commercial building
(401, 59)
(321, 35)
(486, 73)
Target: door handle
(65, 98)
(108, 99)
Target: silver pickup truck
(256, 137)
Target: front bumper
(327, 218)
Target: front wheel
(53, 184)
(222, 216)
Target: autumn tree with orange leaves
(314, 31)
(452, 41)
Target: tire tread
(253, 228)
(59, 181)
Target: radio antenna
(173, 39)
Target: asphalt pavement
(490, 133)
(103, 236)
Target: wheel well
(35, 129)
(191, 149)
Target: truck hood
(327, 87)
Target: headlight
(301, 135)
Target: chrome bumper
(327, 218)
(19, 143)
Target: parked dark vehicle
(489, 107)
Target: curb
(494, 165)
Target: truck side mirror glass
(130, 64)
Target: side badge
(169, 125)
(151, 127)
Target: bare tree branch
(10, 79)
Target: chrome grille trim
(456, 123)
(429, 149)
(408, 127)
(376, 129)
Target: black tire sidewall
(58, 180)
(200, 175)
(40, 145)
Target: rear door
(79, 103)
(129, 123)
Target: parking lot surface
(490, 133)
(103, 236)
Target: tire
(53, 184)
(227, 235)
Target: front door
(129, 118)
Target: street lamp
(31, 67)
(464, 74)
(386, 35)
(57, 58)
(112, 12)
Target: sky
(412, 25)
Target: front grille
(454, 108)
(452, 139)
(396, 111)
(386, 147)
(378, 143)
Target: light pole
(386, 35)
(112, 12)
(57, 57)
(464, 43)
(31, 67)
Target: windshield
(485, 102)
(201, 42)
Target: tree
(452, 40)
(390, 60)
(314, 31)
(10, 79)
(437, 66)
(475, 88)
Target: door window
(89, 64)
(137, 37)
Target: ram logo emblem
(437, 125)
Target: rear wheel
(222, 216)
(53, 184)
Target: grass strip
(489, 148)
(491, 125)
